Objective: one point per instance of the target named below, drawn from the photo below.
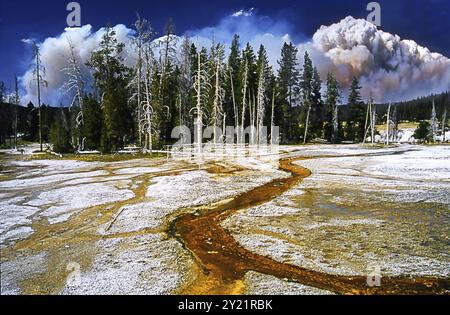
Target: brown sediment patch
(223, 263)
(220, 169)
(66, 242)
(75, 240)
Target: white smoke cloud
(390, 68)
(251, 28)
(55, 52)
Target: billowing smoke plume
(389, 68)
(55, 52)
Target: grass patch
(401, 125)
(20, 143)
(96, 157)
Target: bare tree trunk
(17, 103)
(38, 78)
(250, 114)
(388, 122)
(75, 83)
(261, 103)
(199, 121)
(217, 106)
(307, 123)
(434, 123)
(244, 100)
(236, 114)
(224, 127)
(139, 74)
(366, 130)
(373, 122)
(146, 123)
(369, 125)
(335, 123)
(443, 124)
(272, 118)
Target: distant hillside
(420, 108)
(413, 110)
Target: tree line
(176, 83)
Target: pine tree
(288, 73)
(422, 133)
(232, 85)
(332, 109)
(357, 113)
(60, 135)
(32, 123)
(317, 109)
(265, 74)
(186, 82)
(247, 81)
(2, 92)
(288, 87)
(93, 124)
(168, 75)
(306, 86)
(111, 77)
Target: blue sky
(426, 22)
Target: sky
(425, 22)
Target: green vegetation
(141, 105)
(422, 132)
(96, 157)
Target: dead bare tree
(373, 121)
(272, 120)
(444, 119)
(244, 99)
(433, 123)
(308, 113)
(146, 123)
(219, 91)
(388, 123)
(143, 38)
(16, 111)
(167, 55)
(235, 110)
(201, 86)
(252, 114)
(186, 79)
(75, 85)
(39, 74)
(335, 121)
(261, 103)
(370, 121)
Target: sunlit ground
(77, 227)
